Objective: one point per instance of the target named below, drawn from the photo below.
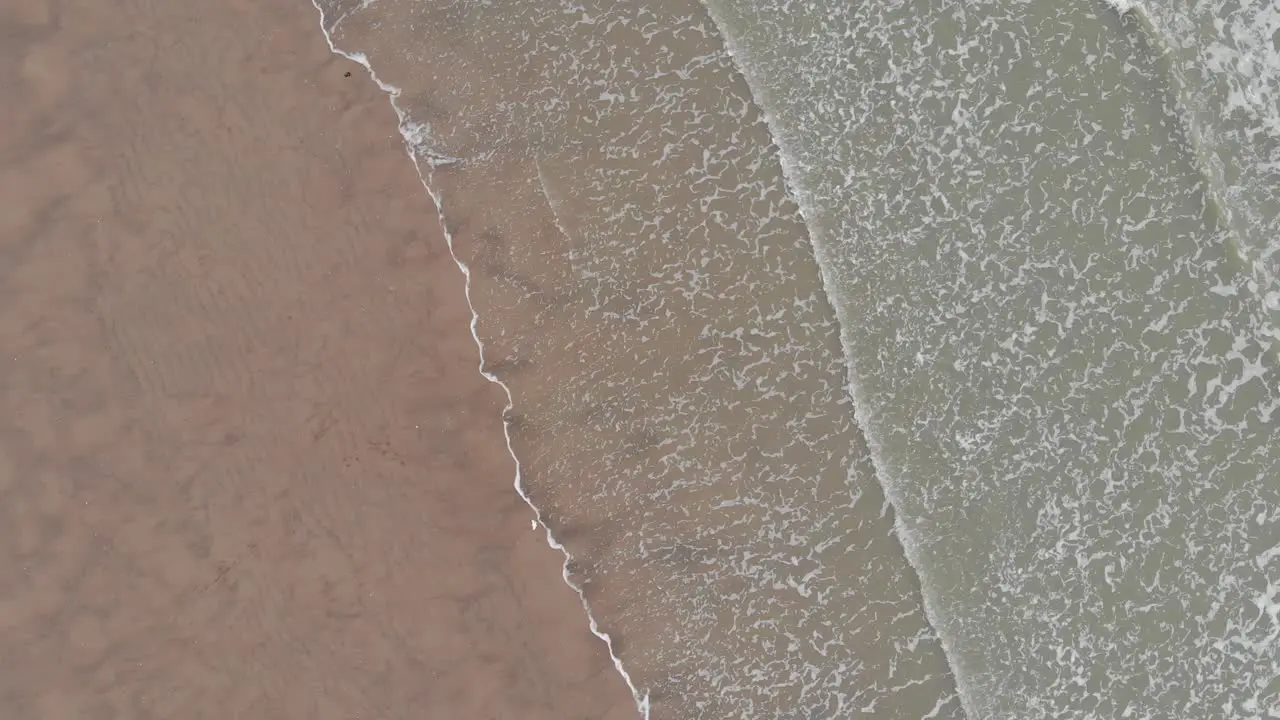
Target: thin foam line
(415, 134)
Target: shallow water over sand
(1053, 324)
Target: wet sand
(247, 466)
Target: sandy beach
(248, 467)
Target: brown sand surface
(247, 466)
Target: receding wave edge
(415, 136)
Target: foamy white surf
(1061, 371)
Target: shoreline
(640, 697)
(252, 465)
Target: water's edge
(414, 137)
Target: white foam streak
(415, 136)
